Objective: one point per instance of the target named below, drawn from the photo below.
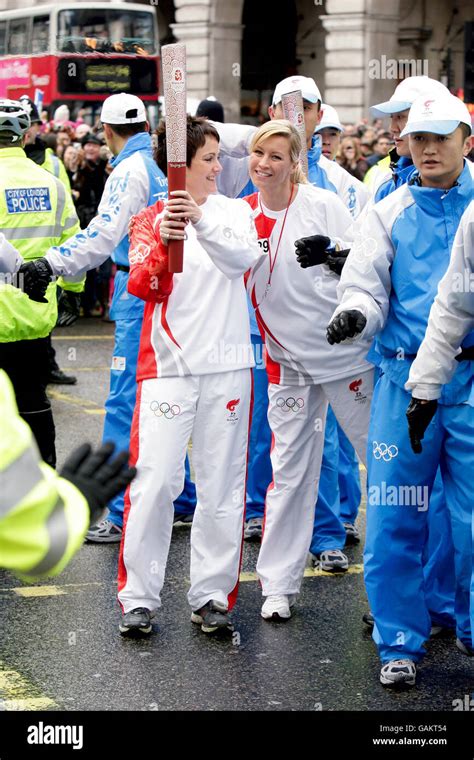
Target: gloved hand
(345, 325)
(97, 475)
(419, 416)
(312, 250)
(35, 278)
(69, 305)
(336, 260)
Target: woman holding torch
(194, 380)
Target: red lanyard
(272, 263)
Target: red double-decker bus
(79, 53)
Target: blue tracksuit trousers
(398, 519)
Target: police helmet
(14, 121)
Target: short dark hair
(197, 127)
(128, 130)
(50, 140)
(466, 131)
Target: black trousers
(26, 363)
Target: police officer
(43, 517)
(70, 299)
(36, 212)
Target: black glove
(345, 325)
(35, 278)
(69, 305)
(336, 260)
(97, 475)
(419, 416)
(312, 250)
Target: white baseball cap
(407, 92)
(122, 108)
(440, 115)
(330, 119)
(307, 85)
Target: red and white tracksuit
(194, 381)
(305, 374)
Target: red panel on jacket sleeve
(149, 278)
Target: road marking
(17, 693)
(83, 337)
(87, 406)
(35, 591)
(245, 577)
(70, 368)
(310, 572)
(30, 591)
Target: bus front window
(106, 31)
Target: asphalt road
(60, 648)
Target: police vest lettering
(21, 200)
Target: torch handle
(176, 181)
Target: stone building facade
(351, 47)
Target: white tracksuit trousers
(297, 417)
(214, 410)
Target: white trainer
(278, 607)
(331, 561)
(398, 673)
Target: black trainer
(368, 619)
(212, 617)
(137, 621)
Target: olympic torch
(173, 59)
(293, 110)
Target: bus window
(40, 38)
(18, 36)
(3, 37)
(85, 30)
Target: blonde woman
(305, 373)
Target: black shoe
(368, 619)
(58, 377)
(212, 617)
(137, 621)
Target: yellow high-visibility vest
(36, 212)
(43, 517)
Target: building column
(213, 49)
(354, 41)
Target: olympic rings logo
(164, 409)
(382, 451)
(289, 404)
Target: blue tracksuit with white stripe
(438, 561)
(393, 282)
